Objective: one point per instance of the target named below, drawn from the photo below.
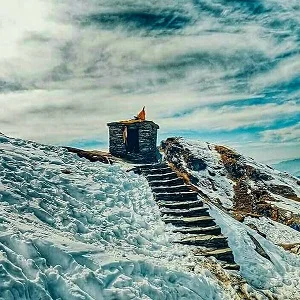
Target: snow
(274, 231)
(287, 204)
(220, 187)
(279, 178)
(281, 275)
(95, 233)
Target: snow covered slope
(73, 229)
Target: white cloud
(286, 70)
(17, 18)
(45, 40)
(66, 115)
(231, 117)
(286, 134)
(30, 41)
(268, 152)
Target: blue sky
(221, 71)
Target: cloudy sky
(216, 70)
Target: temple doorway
(133, 140)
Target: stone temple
(134, 140)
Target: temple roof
(130, 122)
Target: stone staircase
(183, 208)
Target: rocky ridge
(237, 184)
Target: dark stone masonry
(134, 140)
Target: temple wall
(147, 141)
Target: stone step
(154, 171)
(169, 182)
(180, 204)
(213, 230)
(192, 212)
(224, 254)
(203, 221)
(171, 189)
(231, 266)
(176, 196)
(182, 207)
(208, 241)
(152, 166)
(171, 175)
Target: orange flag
(142, 115)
